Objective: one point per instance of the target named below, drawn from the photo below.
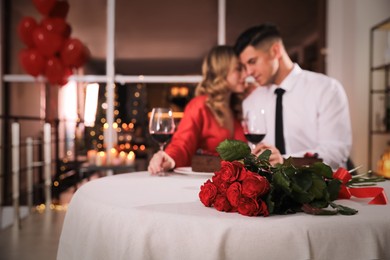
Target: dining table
(142, 216)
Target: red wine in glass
(161, 137)
(161, 126)
(254, 138)
(254, 125)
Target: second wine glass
(255, 129)
(161, 128)
(161, 125)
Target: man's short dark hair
(256, 35)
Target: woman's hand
(275, 157)
(160, 162)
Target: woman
(209, 118)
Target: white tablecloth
(138, 216)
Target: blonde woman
(210, 117)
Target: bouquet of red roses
(250, 186)
(234, 188)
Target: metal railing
(30, 164)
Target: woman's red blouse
(198, 129)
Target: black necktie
(279, 136)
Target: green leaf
(308, 209)
(265, 155)
(300, 184)
(333, 189)
(318, 187)
(288, 162)
(357, 181)
(302, 197)
(290, 171)
(231, 150)
(270, 203)
(281, 181)
(321, 169)
(303, 180)
(319, 203)
(343, 210)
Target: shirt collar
(288, 83)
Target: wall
(348, 31)
(25, 97)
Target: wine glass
(255, 129)
(161, 126)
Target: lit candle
(114, 134)
(122, 157)
(130, 159)
(91, 156)
(113, 153)
(386, 168)
(114, 156)
(100, 158)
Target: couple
(315, 107)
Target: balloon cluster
(50, 51)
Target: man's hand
(275, 157)
(160, 162)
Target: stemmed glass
(255, 129)
(161, 125)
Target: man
(313, 108)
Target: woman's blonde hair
(215, 69)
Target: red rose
(233, 193)
(254, 185)
(221, 185)
(222, 204)
(263, 208)
(216, 178)
(243, 174)
(230, 171)
(207, 193)
(248, 207)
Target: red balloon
(74, 53)
(25, 30)
(83, 57)
(55, 25)
(68, 31)
(64, 80)
(44, 6)
(60, 9)
(32, 61)
(48, 43)
(54, 70)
